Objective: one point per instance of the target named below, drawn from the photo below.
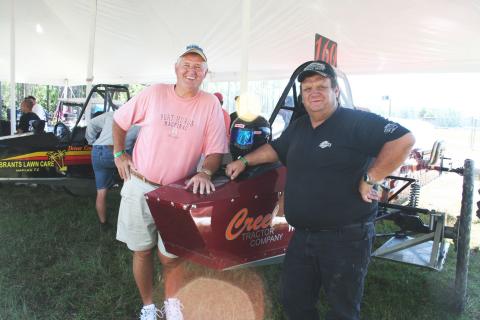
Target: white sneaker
(173, 309)
(150, 313)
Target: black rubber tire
(463, 238)
(82, 188)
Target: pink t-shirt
(174, 132)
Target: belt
(103, 146)
(141, 177)
(338, 229)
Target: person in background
(28, 117)
(234, 115)
(99, 135)
(4, 121)
(226, 116)
(179, 122)
(38, 109)
(336, 159)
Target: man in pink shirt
(178, 124)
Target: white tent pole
(13, 115)
(228, 96)
(91, 57)
(244, 43)
(91, 48)
(65, 89)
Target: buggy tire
(463, 237)
(76, 191)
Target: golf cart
(59, 155)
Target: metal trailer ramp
(419, 255)
(426, 250)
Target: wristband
(119, 153)
(244, 161)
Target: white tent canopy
(139, 41)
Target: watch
(206, 171)
(369, 180)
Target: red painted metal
(240, 223)
(237, 224)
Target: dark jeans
(335, 260)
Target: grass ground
(56, 263)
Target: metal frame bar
(408, 182)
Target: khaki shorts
(136, 226)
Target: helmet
(246, 136)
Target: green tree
(135, 88)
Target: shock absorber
(414, 194)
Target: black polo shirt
(325, 165)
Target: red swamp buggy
(57, 153)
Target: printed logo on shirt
(173, 132)
(390, 128)
(30, 125)
(325, 144)
(176, 121)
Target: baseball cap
(219, 96)
(317, 67)
(193, 48)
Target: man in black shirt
(336, 158)
(27, 117)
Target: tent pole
(13, 115)
(48, 97)
(228, 97)
(91, 57)
(65, 89)
(245, 37)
